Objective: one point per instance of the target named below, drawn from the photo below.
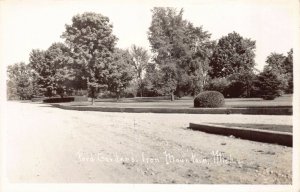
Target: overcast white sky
(27, 25)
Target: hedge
(59, 100)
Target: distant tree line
(183, 61)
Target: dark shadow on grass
(270, 127)
(258, 106)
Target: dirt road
(46, 144)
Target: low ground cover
(187, 102)
(270, 127)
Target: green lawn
(270, 127)
(187, 102)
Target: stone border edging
(274, 137)
(253, 111)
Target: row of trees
(184, 61)
(275, 79)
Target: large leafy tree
(52, 68)
(233, 58)
(232, 54)
(19, 84)
(194, 64)
(92, 44)
(180, 51)
(283, 67)
(120, 72)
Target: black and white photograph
(149, 95)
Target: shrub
(236, 89)
(210, 99)
(269, 97)
(217, 84)
(59, 100)
(269, 85)
(38, 98)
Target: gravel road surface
(46, 144)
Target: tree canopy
(232, 54)
(92, 44)
(51, 68)
(120, 72)
(20, 82)
(282, 66)
(183, 61)
(180, 50)
(140, 58)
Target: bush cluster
(268, 97)
(59, 100)
(229, 88)
(209, 99)
(269, 85)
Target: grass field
(270, 127)
(187, 102)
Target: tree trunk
(93, 101)
(172, 96)
(248, 90)
(118, 96)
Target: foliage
(51, 69)
(233, 58)
(275, 62)
(140, 61)
(288, 64)
(218, 84)
(269, 84)
(232, 55)
(282, 66)
(92, 43)
(236, 85)
(11, 90)
(180, 50)
(153, 81)
(59, 100)
(40, 71)
(120, 72)
(210, 99)
(240, 84)
(19, 84)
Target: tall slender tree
(180, 50)
(288, 65)
(120, 72)
(40, 71)
(140, 61)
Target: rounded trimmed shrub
(209, 99)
